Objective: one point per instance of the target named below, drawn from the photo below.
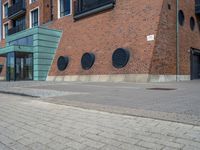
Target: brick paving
(29, 124)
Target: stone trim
(2, 78)
(119, 78)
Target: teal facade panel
(45, 43)
(44, 51)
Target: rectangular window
(15, 1)
(19, 22)
(64, 8)
(26, 41)
(32, 1)
(5, 31)
(5, 10)
(85, 8)
(34, 18)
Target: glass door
(10, 67)
(195, 66)
(24, 66)
(19, 66)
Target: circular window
(192, 23)
(62, 63)
(87, 60)
(169, 6)
(181, 17)
(120, 58)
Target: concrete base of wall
(168, 78)
(2, 78)
(120, 78)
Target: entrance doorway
(19, 66)
(195, 64)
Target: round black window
(62, 63)
(120, 58)
(169, 6)
(192, 23)
(181, 17)
(87, 60)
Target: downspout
(51, 3)
(177, 43)
(0, 21)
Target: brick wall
(188, 38)
(44, 11)
(164, 55)
(127, 26)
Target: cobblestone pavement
(28, 124)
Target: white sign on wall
(150, 37)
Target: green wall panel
(43, 55)
(43, 49)
(45, 43)
(46, 38)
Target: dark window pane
(34, 18)
(65, 7)
(6, 10)
(26, 41)
(181, 17)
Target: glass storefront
(19, 66)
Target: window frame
(4, 33)
(30, 1)
(4, 10)
(30, 16)
(71, 6)
(81, 12)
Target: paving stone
(188, 147)
(150, 145)
(27, 123)
(4, 147)
(57, 146)
(19, 146)
(27, 141)
(6, 140)
(39, 146)
(108, 147)
(131, 147)
(75, 145)
(101, 139)
(171, 148)
(93, 143)
(60, 139)
(188, 142)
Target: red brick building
(104, 40)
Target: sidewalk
(29, 124)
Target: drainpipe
(0, 21)
(177, 43)
(51, 3)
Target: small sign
(150, 37)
